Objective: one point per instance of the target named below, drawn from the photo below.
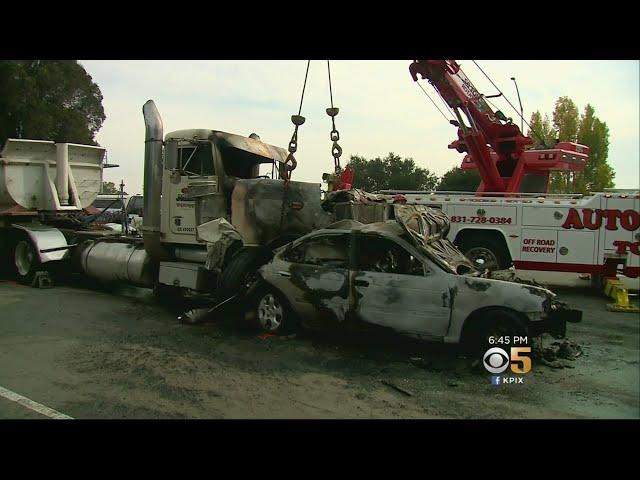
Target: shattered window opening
(379, 254)
(242, 164)
(327, 251)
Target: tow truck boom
(493, 143)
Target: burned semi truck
(45, 222)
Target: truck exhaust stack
(152, 189)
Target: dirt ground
(117, 354)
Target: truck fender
(49, 242)
(496, 232)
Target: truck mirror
(171, 155)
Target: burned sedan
(402, 274)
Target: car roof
(388, 228)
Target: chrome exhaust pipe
(152, 189)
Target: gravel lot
(117, 354)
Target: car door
(316, 280)
(402, 292)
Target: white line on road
(31, 405)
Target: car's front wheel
(485, 331)
(272, 313)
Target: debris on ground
(556, 351)
(265, 336)
(417, 361)
(193, 316)
(287, 337)
(397, 388)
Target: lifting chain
(336, 149)
(290, 162)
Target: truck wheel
(272, 312)
(239, 272)
(491, 256)
(26, 260)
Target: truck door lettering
(629, 219)
(587, 214)
(612, 215)
(623, 245)
(573, 220)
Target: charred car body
(402, 274)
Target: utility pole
(520, 102)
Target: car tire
(494, 255)
(272, 312)
(494, 323)
(26, 261)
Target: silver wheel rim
(270, 312)
(481, 253)
(24, 258)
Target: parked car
(398, 275)
(110, 206)
(135, 206)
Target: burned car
(402, 274)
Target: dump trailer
(205, 205)
(45, 188)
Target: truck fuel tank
(112, 261)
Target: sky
(381, 109)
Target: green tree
(49, 100)
(594, 133)
(459, 180)
(585, 129)
(109, 188)
(566, 121)
(390, 173)
(541, 131)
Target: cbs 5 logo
(496, 360)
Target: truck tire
(25, 259)
(493, 253)
(239, 271)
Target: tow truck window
(378, 254)
(326, 251)
(196, 159)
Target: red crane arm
(495, 145)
